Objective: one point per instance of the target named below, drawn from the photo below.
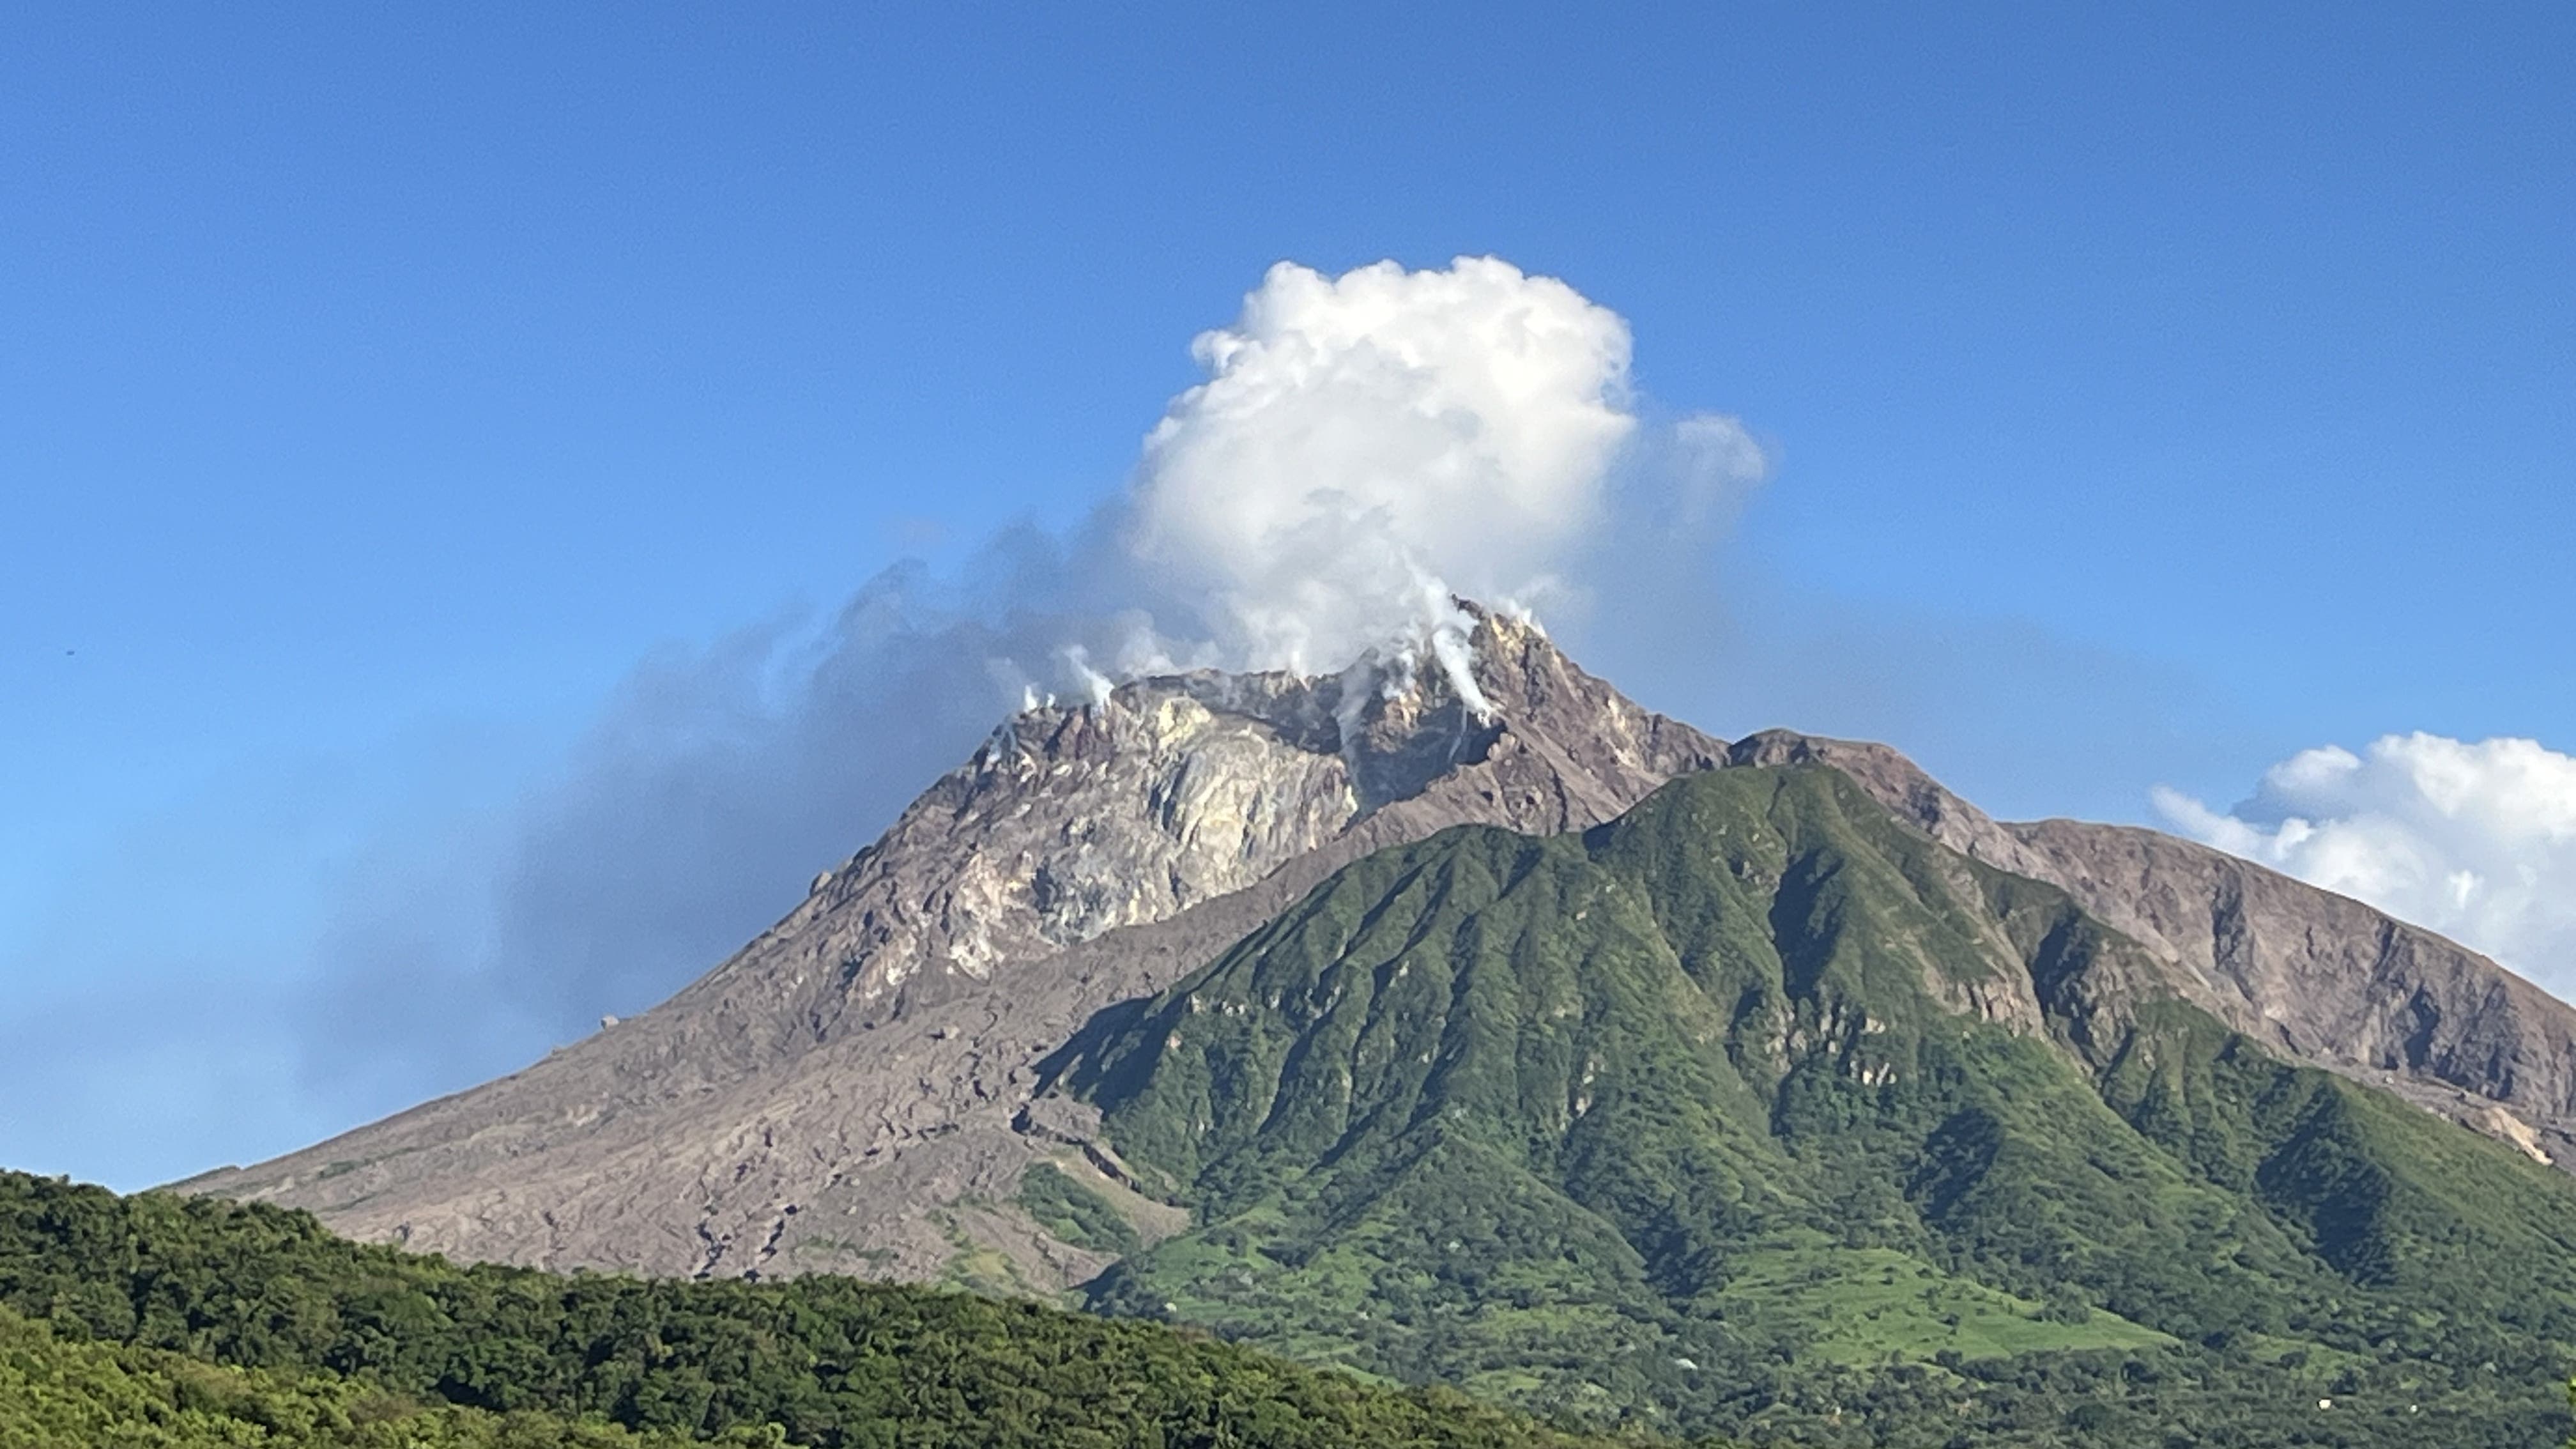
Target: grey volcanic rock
(848, 1092)
(2323, 977)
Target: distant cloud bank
(2476, 841)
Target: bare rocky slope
(847, 1093)
(852, 1091)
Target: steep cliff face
(2323, 977)
(845, 1093)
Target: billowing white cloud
(1365, 445)
(2476, 841)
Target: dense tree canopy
(137, 1298)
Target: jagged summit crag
(855, 1090)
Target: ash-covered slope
(846, 1093)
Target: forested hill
(156, 1320)
(1758, 1111)
(58, 1391)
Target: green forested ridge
(119, 1310)
(1722, 1117)
(66, 1392)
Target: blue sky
(2152, 393)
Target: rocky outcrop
(845, 1092)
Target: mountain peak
(871, 1052)
(1076, 819)
(855, 1089)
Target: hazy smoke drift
(2476, 841)
(1361, 447)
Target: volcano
(868, 1087)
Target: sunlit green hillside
(1758, 1111)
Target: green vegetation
(54, 1392)
(1855, 1307)
(1757, 1111)
(1075, 1213)
(159, 1320)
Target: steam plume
(1367, 444)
